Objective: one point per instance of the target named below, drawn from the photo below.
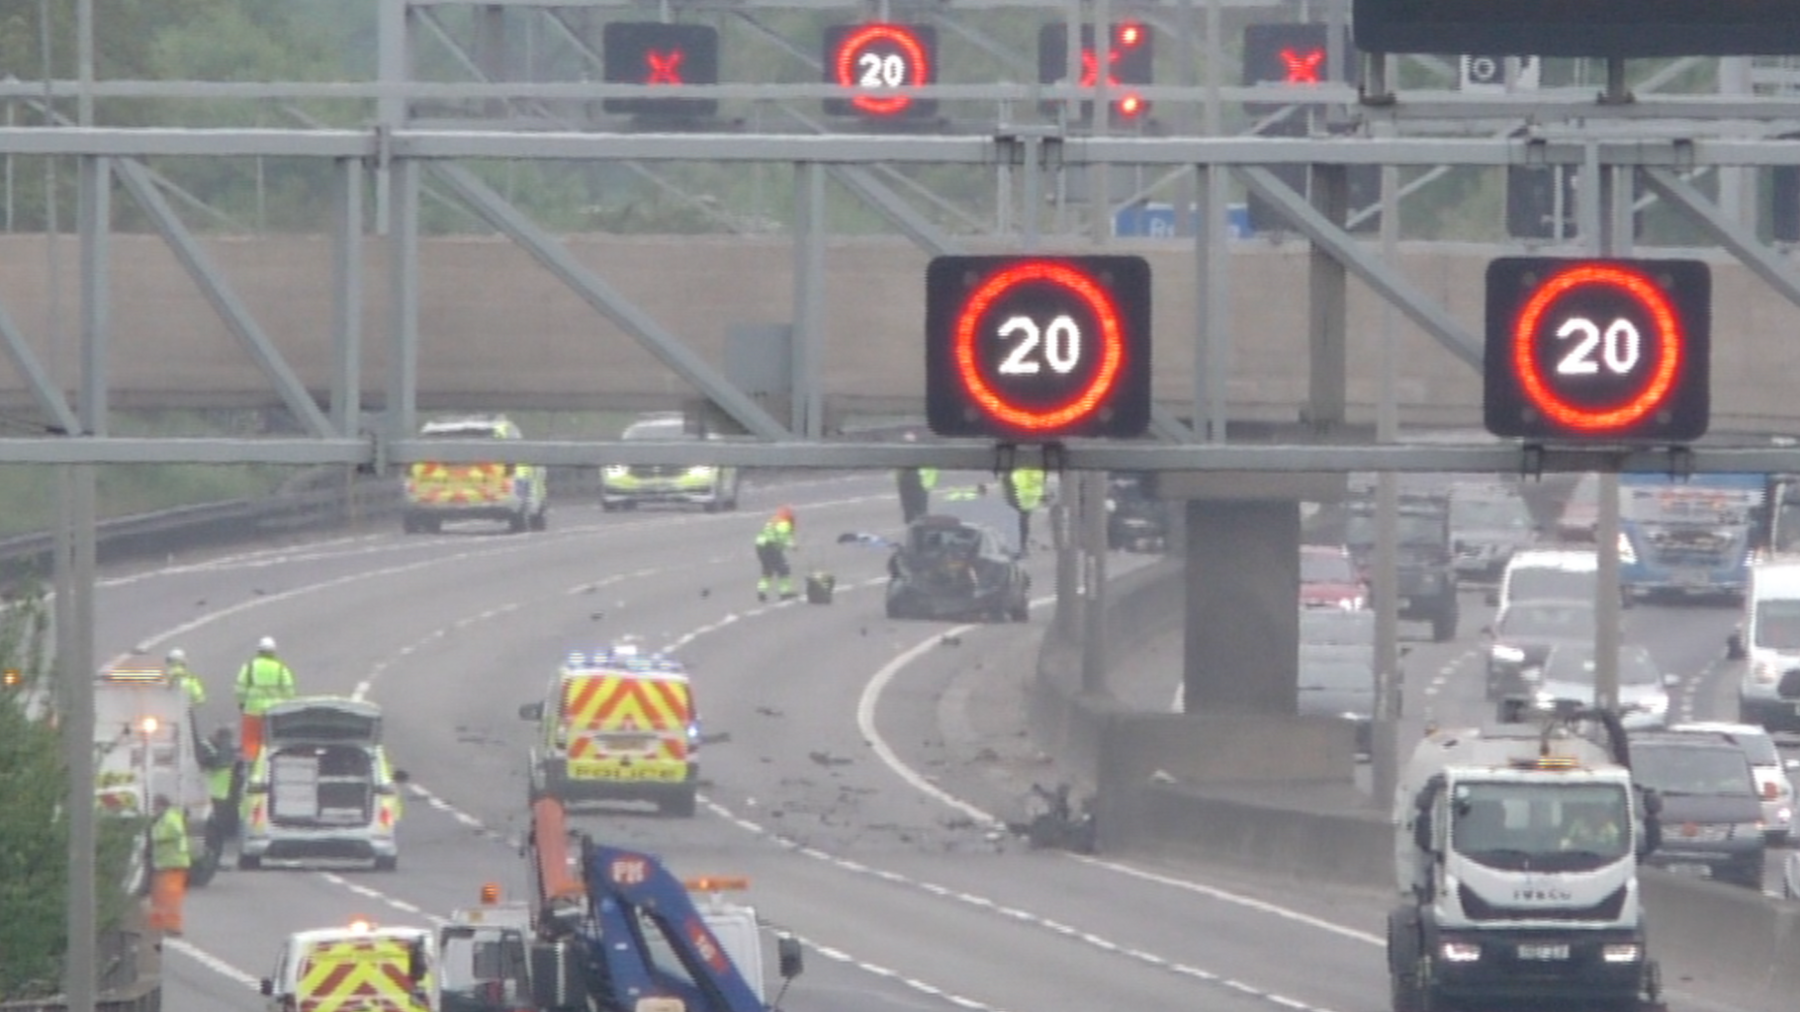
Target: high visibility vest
(218, 782)
(928, 477)
(169, 841)
(779, 533)
(182, 678)
(262, 683)
(1026, 488)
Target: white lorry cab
(1516, 851)
(1768, 642)
(358, 966)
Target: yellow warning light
(362, 925)
(11, 677)
(717, 883)
(149, 725)
(490, 893)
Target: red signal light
(1302, 66)
(1131, 105)
(663, 67)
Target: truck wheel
(1408, 996)
(519, 522)
(409, 524)
(249, 862)
(540, 521)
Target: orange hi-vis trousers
(250, 737)
(168, 888)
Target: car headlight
(615, 470)
(1627, 554)
(1655, 704)
(701, 471)
(1746, 830)
(1507, 654)
(1545, 699)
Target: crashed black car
(948, 568)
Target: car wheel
(387, 863)
(409, 524)
(682, 806)
(249, 862)
(608, 506)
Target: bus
(1692, 537)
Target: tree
(34, 827)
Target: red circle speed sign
(973, 370)
(879, 56)
(1618, 348)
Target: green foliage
(34, 828)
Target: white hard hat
(266, 645)
(177, 656)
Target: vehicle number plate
(1688, 869)
(1543, 953)
(596, 770)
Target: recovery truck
(1515, 853)
(607, 930)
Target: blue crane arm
(630, 893)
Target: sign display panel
(872, 60)
(1130, 59)
(662, 54)
(1597, 350)
(1037, 348)
(1579, 27)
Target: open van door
(322, 720)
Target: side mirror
(1422, 831)
(266, 986)
(401, 776)
(417, 966)
(531, 711)
(788, 957)
(1734, 646)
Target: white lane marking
(211, 962)
(1261, 906)
(371, 893)
(1022, 916)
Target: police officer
(1025, 492)
(169, 862)
(175, 668)
(773, 542)
(262, 682)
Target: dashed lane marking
(866, 724)
(211, 962)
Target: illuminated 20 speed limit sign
(1597, 350)
(1036, 348)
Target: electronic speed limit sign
(1598, 350)
(1034, 349)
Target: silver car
(1772, 782)
(1567, 676)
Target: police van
(358, 966)
(619, 725)
(494, 490)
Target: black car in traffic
(1711, 812)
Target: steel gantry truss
(1663, 139)
(103, 153)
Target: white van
(1548, 574)
(1768, 642)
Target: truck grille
(1480, 910)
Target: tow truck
(562, 951)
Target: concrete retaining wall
(1239, 792)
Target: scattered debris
(1055, 822)
(768, 711)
